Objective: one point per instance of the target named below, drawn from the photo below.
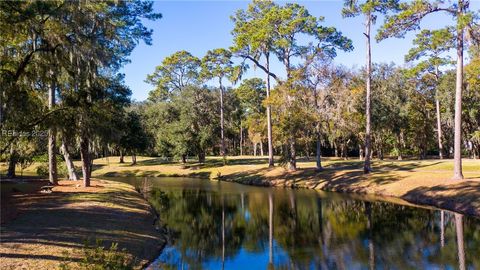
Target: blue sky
(198, 26)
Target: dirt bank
(48, 229)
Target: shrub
(97, 257)
(42, 170)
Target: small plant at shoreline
(97, 257)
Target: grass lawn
(48, 229)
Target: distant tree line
(63, 96)
(320, 108)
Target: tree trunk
(184, 159)
(201, 157)
(241, 138)
(255, 149)
(367, 167)
(134, 158)
(292, 162)
(269, 115)
(52, 134)
(72, 175)
(12, 162)
(85, 156)
(457, 171)
(222, 147)
(318, 154)
(335, 148)
(122, 160)
(439, 129)
(261, 149)
(360, 152)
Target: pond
(219, 225)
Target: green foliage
(42, 169)
(97, 257)
(354, 8)
(177, 71)
(217, 63)
(187, 124)
(134, 138)
(251, 94)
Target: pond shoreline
(419, 196)
(423, 182)
(112, 211)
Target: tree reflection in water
(228, 226)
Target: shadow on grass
(463, 196)
(332, 178)
(66, 220)
(406, 165)
(143, 173)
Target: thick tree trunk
(457, 171)
(134, 158)
(72, 175)
(261, 149)
(292, 161)
(335, 149)
(399, 146)
(269, 116)
(12, 163)
(254, 149)
(52, 134)
(222, 147)
(201, 157)
(122, 158)
(367, 167)
(318, 155)
(85, 157)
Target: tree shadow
(461, 196)
(65, 220)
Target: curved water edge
(216, 225)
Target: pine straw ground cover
(47, 230)
(417, 181)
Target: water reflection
(230, 226)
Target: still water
(218, 225)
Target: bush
(42, 170)
(97, 257)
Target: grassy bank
(48, 230)
(417, 181)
